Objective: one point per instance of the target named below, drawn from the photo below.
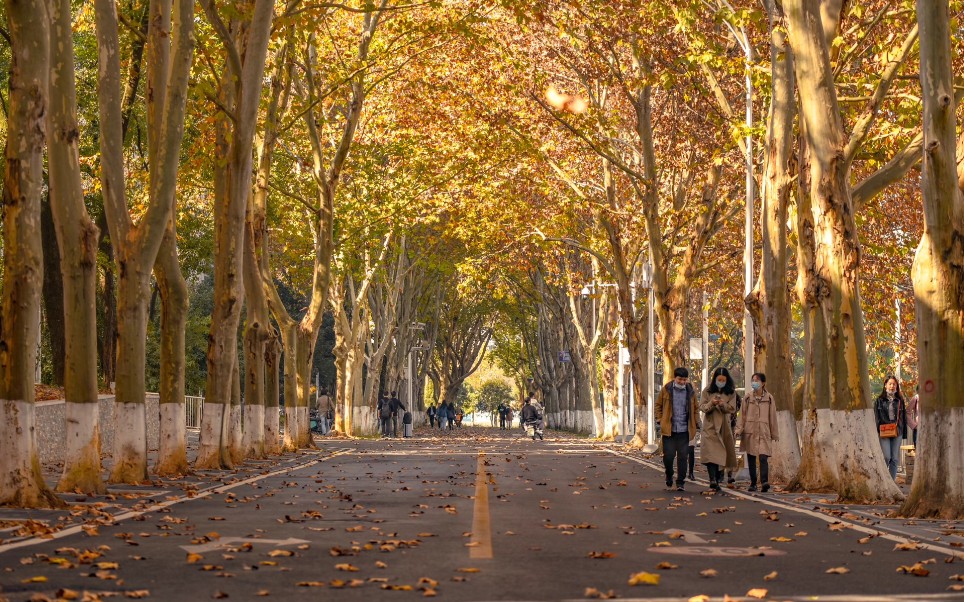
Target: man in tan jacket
(676, 412)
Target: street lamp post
(417, 326)
(650, 344)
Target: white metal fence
(192, 411)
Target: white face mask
(720, 383)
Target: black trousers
(386, 424)
(716, 473)
(394, 425)
(764, 468)
(691, 456)
(675, 450)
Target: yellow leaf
(758, 593)
(346, 567)
(644, 578)
(666, 566)
(193, 558)
(469, 570)
(782, 539)
(137, 594)
(838, 570)
(770, 576)
(910, 545)
(699, 598)
(276, 553)
(708, 573)
(380, 565)
(307, 584)
(67, 594)
(37, 579)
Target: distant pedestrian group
(445, 416)
(389, 409)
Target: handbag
(888, 431)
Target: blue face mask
(756, 385)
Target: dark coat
(664, 410)
(881, 416)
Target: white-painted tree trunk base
(598, 423)
(254, 431)
(130, 443)
(841, 453)
(82, 470)
(613, 424)
(21, 483)
(290, 442)
(209, 448)
(272, 431)
(172, 444)
(366, 424)
(937, 490)
(583, 421)
(786, 451)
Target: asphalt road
(473, 515)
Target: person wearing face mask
(676, 412)
(717, 450)
(758, 427)
(890, 413)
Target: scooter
(534, 429)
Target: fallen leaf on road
(770, 576)
(865, 539)
(37, 579)
(67, 594)
(837, 526)
(666, 566)
(219, 595)
(137, 594)
(916, 569)
(397, 588)
(782, 539)
(277, 553)
(907, 546)
(721, 531)
(380, 565)
(957, 577)
(662, 544)
(469, 570)
(708, 573)
(306, 584)
(800, 534)
(592, 592)
(838, 570)
(429, 593)
(193, 558)
(758, 593)
(601, 554)
(263, 592)
(699, 598)
(428, 582)
(426, 534)
(644, 578)
(956, 588)
(346, 567)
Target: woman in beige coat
(717, 450)
(758, 427)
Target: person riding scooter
(532, 416)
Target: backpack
(386, 410)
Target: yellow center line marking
(481, 543)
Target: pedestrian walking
(384, 413)
(508, 417)
(890, 413)
(450, 414)
(501, 411)
(757, 430)
(913, 415)
(397, 408)
(676, 414)
(441, 416)
(717, 402)
(430, 412)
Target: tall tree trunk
(172, 449)
(75, 231)
(136, 246)
(938, 487)
(21, 482)
(272, 375)
(240, 90)
(53, 291)
(769, 304)
(842, 425)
